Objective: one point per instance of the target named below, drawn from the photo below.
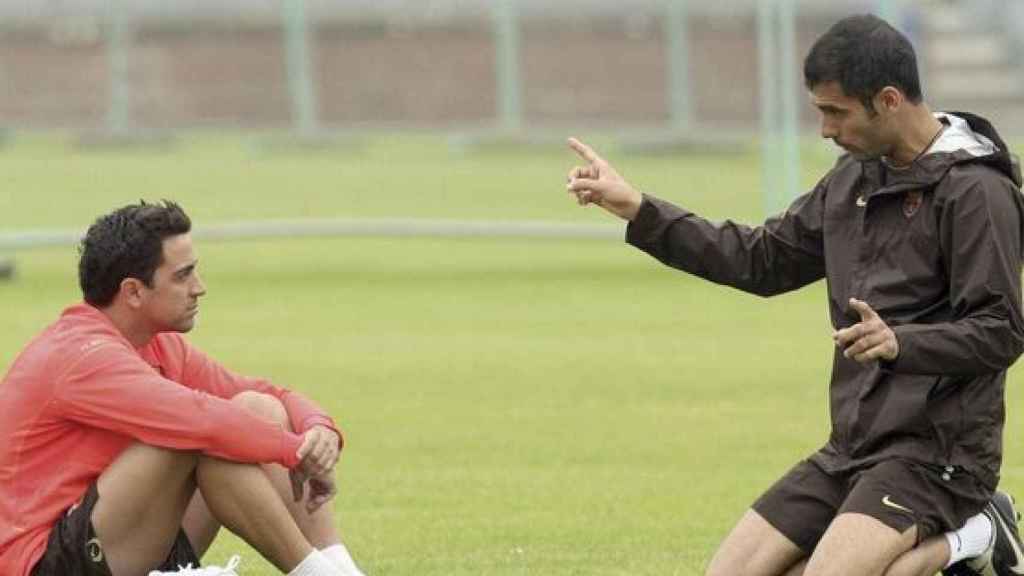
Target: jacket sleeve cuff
(290, 444)
(904, 361)
(320, 420)
(647, 224)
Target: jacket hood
(972, 140)
(1002, 159)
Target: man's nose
(199, 289)
(828, 130)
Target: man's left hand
(321, 488)
(869, 340)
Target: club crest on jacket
(912, 202)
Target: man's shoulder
(978, 170)
(72, 333)
(76, 337)
(67, 345)
(978, 180)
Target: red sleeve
(112, 388)
(199, 371)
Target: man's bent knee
(856, 543)
(263, 405)
(754, 548)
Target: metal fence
(667, 68)
(315, 65)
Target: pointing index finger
(584, 151)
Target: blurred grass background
(49, 182)
(511, 406)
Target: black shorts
(74, 549)
(898, 493)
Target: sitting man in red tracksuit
(123, 449)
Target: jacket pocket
(975, 438)
(893, 415)
(946, 414)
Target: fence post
(887, 10)
(778, 82)
(118, 40)
(297, 62)
(506, 52)
(678, 31)
(768, 104)
(788, 83)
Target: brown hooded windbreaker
(935, 249)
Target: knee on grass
(263, 405)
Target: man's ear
(889, 99)
(131, 292)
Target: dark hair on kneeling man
(864, 54)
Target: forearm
(205, 374)
(752, 259)
(304, 414)
(135, 402)
(980, 344)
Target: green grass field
(511, 406)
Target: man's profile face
(847, 122)
(172, 303)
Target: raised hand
(598, 183)
(869, 340)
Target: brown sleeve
(783, 254)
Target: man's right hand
(599, 183)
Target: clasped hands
(318, 456)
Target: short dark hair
(127, 243)
(864, 54)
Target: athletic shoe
(1005, 554)
(960, 569)
(1008, 552)
(228, 570)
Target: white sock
(316, 564)
(342, 559)
(971, 540)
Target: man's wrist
(633, 209)
(337, 433)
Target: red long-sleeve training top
(80, 393)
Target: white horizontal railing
(369, 227)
